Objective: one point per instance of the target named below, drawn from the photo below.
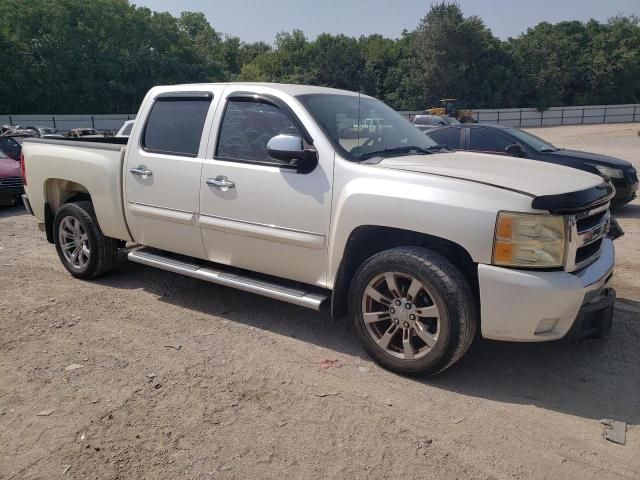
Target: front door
(256, 212)
(162, 174)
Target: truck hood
(592, 158)
(9, 168)
(518, 174)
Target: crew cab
(257, 187)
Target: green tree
(74, 56)
(459, 57)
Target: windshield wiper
(391, 151)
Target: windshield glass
(451, 120)
(361, 127)
(532, 141)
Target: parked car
(502, 140)
(20, 131)
(420, 247)
(429, 122)
(45, 132)
(125, 130)
(83, 132)
(10, 180)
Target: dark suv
(502, 140)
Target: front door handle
(221, 183)
(141, 171)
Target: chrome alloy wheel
(401, 315)
(74, 242)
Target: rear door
(163, 168)
(450, 137)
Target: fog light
(546, 325)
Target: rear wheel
(413, 310)
(82, 247)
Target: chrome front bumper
(530, 306)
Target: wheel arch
(367, 240)
(57, 192)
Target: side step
(228, 279)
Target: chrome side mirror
(290, 149)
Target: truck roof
(287, 88)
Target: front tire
(82, 247)
(413, 310)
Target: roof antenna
(358, 126)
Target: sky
(254, 20)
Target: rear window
(428, 120)
(10, 147)
(449, 137)
(175, 125)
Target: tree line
(74, 56)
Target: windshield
(532, 141)
(451, 120)
(362, 127)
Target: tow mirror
(515, 150)
(290, 149)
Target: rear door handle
(221, 183)
(141, 171)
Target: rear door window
(175, 125)
(449, 137)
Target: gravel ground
(145, 374)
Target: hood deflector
(575, 201)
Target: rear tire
(82, 247)
(413, 310)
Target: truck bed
(93, 167)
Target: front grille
(587, 230)
(11, 182)
(588, 251)
(585, 223)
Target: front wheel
(413, 310)
(82, 247)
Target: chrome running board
(228, 279)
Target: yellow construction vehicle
(448, 107)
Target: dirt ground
(145, 374)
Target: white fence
(531, 117)
(517, 117)
(67, 122)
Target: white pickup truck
(268, 188)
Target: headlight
(609, 171)
(529, 240)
